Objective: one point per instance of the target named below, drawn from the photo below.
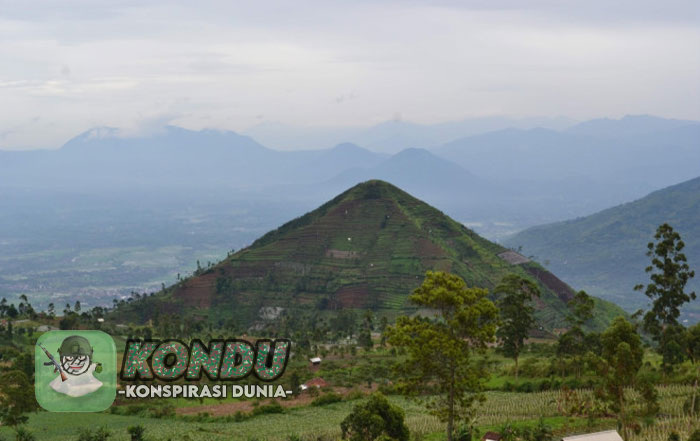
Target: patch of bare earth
(230, 408)
(197, 291)
(352, 296)
(561, 289)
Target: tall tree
(440, 349)
(16, 398)
(581, 307)
(375, 419)
(517, 314)
(669, 274)
(573, 343)
(618, 367)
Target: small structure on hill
(317, 382)
(314, 363)
(491, 436)
(608, 435)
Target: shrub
(239, 416)
(101, 434)
(355, 395)
(22, 434)
(525, 387)
(273, 407)
(327, 398)
(373, 419)
(136, 432)
(162, 411)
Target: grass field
(310, 422)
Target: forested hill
(605, 253)
(367, 248)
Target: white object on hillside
(608, 435)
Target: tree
(573, 343)
(669, 274)
(294, 382)
(364, 338)
(24, 362)
(581, 307)
(373, 419)
(439, 349)
(618, 367)
(517, 315)
(16, 398)
(12, 311)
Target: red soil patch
(561, 289)
(339, 254)
(352, 296)
(427, 248)
(197, 291)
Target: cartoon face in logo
(76, 355)
(75, 367)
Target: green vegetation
(516, 314)
(367, 248)
(618, 367)
(375, 419)
(669, 275)
(604, 253)
(454, 381)
(441, 351)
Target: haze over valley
(111, 212)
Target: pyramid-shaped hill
(368, 248)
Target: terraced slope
(367, 248)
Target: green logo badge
(75, 371)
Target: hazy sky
(67, 66)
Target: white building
(608, 435)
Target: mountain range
(83, 214)
(605, 253)
(513, 177)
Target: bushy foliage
(266, 409)
(136, 432)
(374, 419)
(327, 398)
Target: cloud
(84, 64)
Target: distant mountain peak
(628, 125)
(348, 146)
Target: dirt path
(230, 408)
